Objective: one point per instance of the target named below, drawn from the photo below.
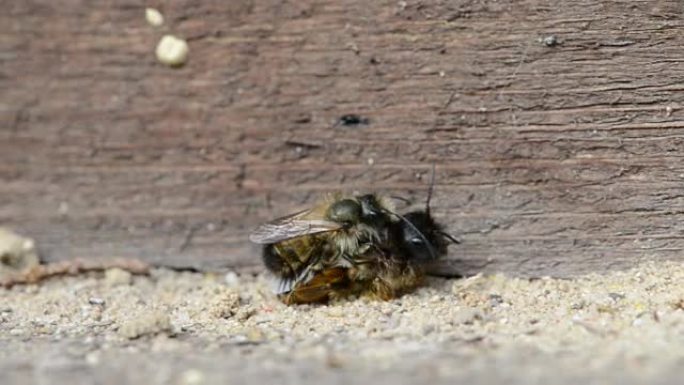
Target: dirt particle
(255, 336)
(92, 358)
(225, 304)
(117, 277)
(192, 377)
(616, 296)
(151, 323)
(232, 279)
(495, 300)
(334, 361)
(468, 316)
(678, 305)
(17, 253)
(245, 313)
(550, 41)
(335, 312)
(96, 301)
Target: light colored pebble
(192, 377)
(151, 323)
(92, 358)
(117, 277)
(172, 51)
(225, 304)
(17, 253)
(231, 279)
(154, 17)
(468, 316)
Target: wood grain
(557, 129)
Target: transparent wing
(291, 226)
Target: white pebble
(154, 17)
(96, 301)
(172, 51)
(192, 377)
(231, 279)
(92, 358)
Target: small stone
(495, 300)
(550, 41)
(245, 313)
(616, 296)
(334, 361)
(468, 316)
(172, 51)
(154, 17)
(96, 301)
(116, 277)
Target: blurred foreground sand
(191, 328)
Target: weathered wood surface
(551, 159)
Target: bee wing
(291, 226)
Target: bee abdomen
(276, 263)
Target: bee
(350, 246)
(323, 241)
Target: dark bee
(301, 248)
(350, 246)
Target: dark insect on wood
(352, 120)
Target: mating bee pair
(350, 246)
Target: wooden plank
(557, 130)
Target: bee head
(345, 211)
(372, 211)
(416, 234)
(421, 237)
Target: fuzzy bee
(350, 246)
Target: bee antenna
(450, 237)
(433, 255)
(432, 185)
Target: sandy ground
(190, 328)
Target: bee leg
(319, 288)
(393, 285)
(382, 290)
